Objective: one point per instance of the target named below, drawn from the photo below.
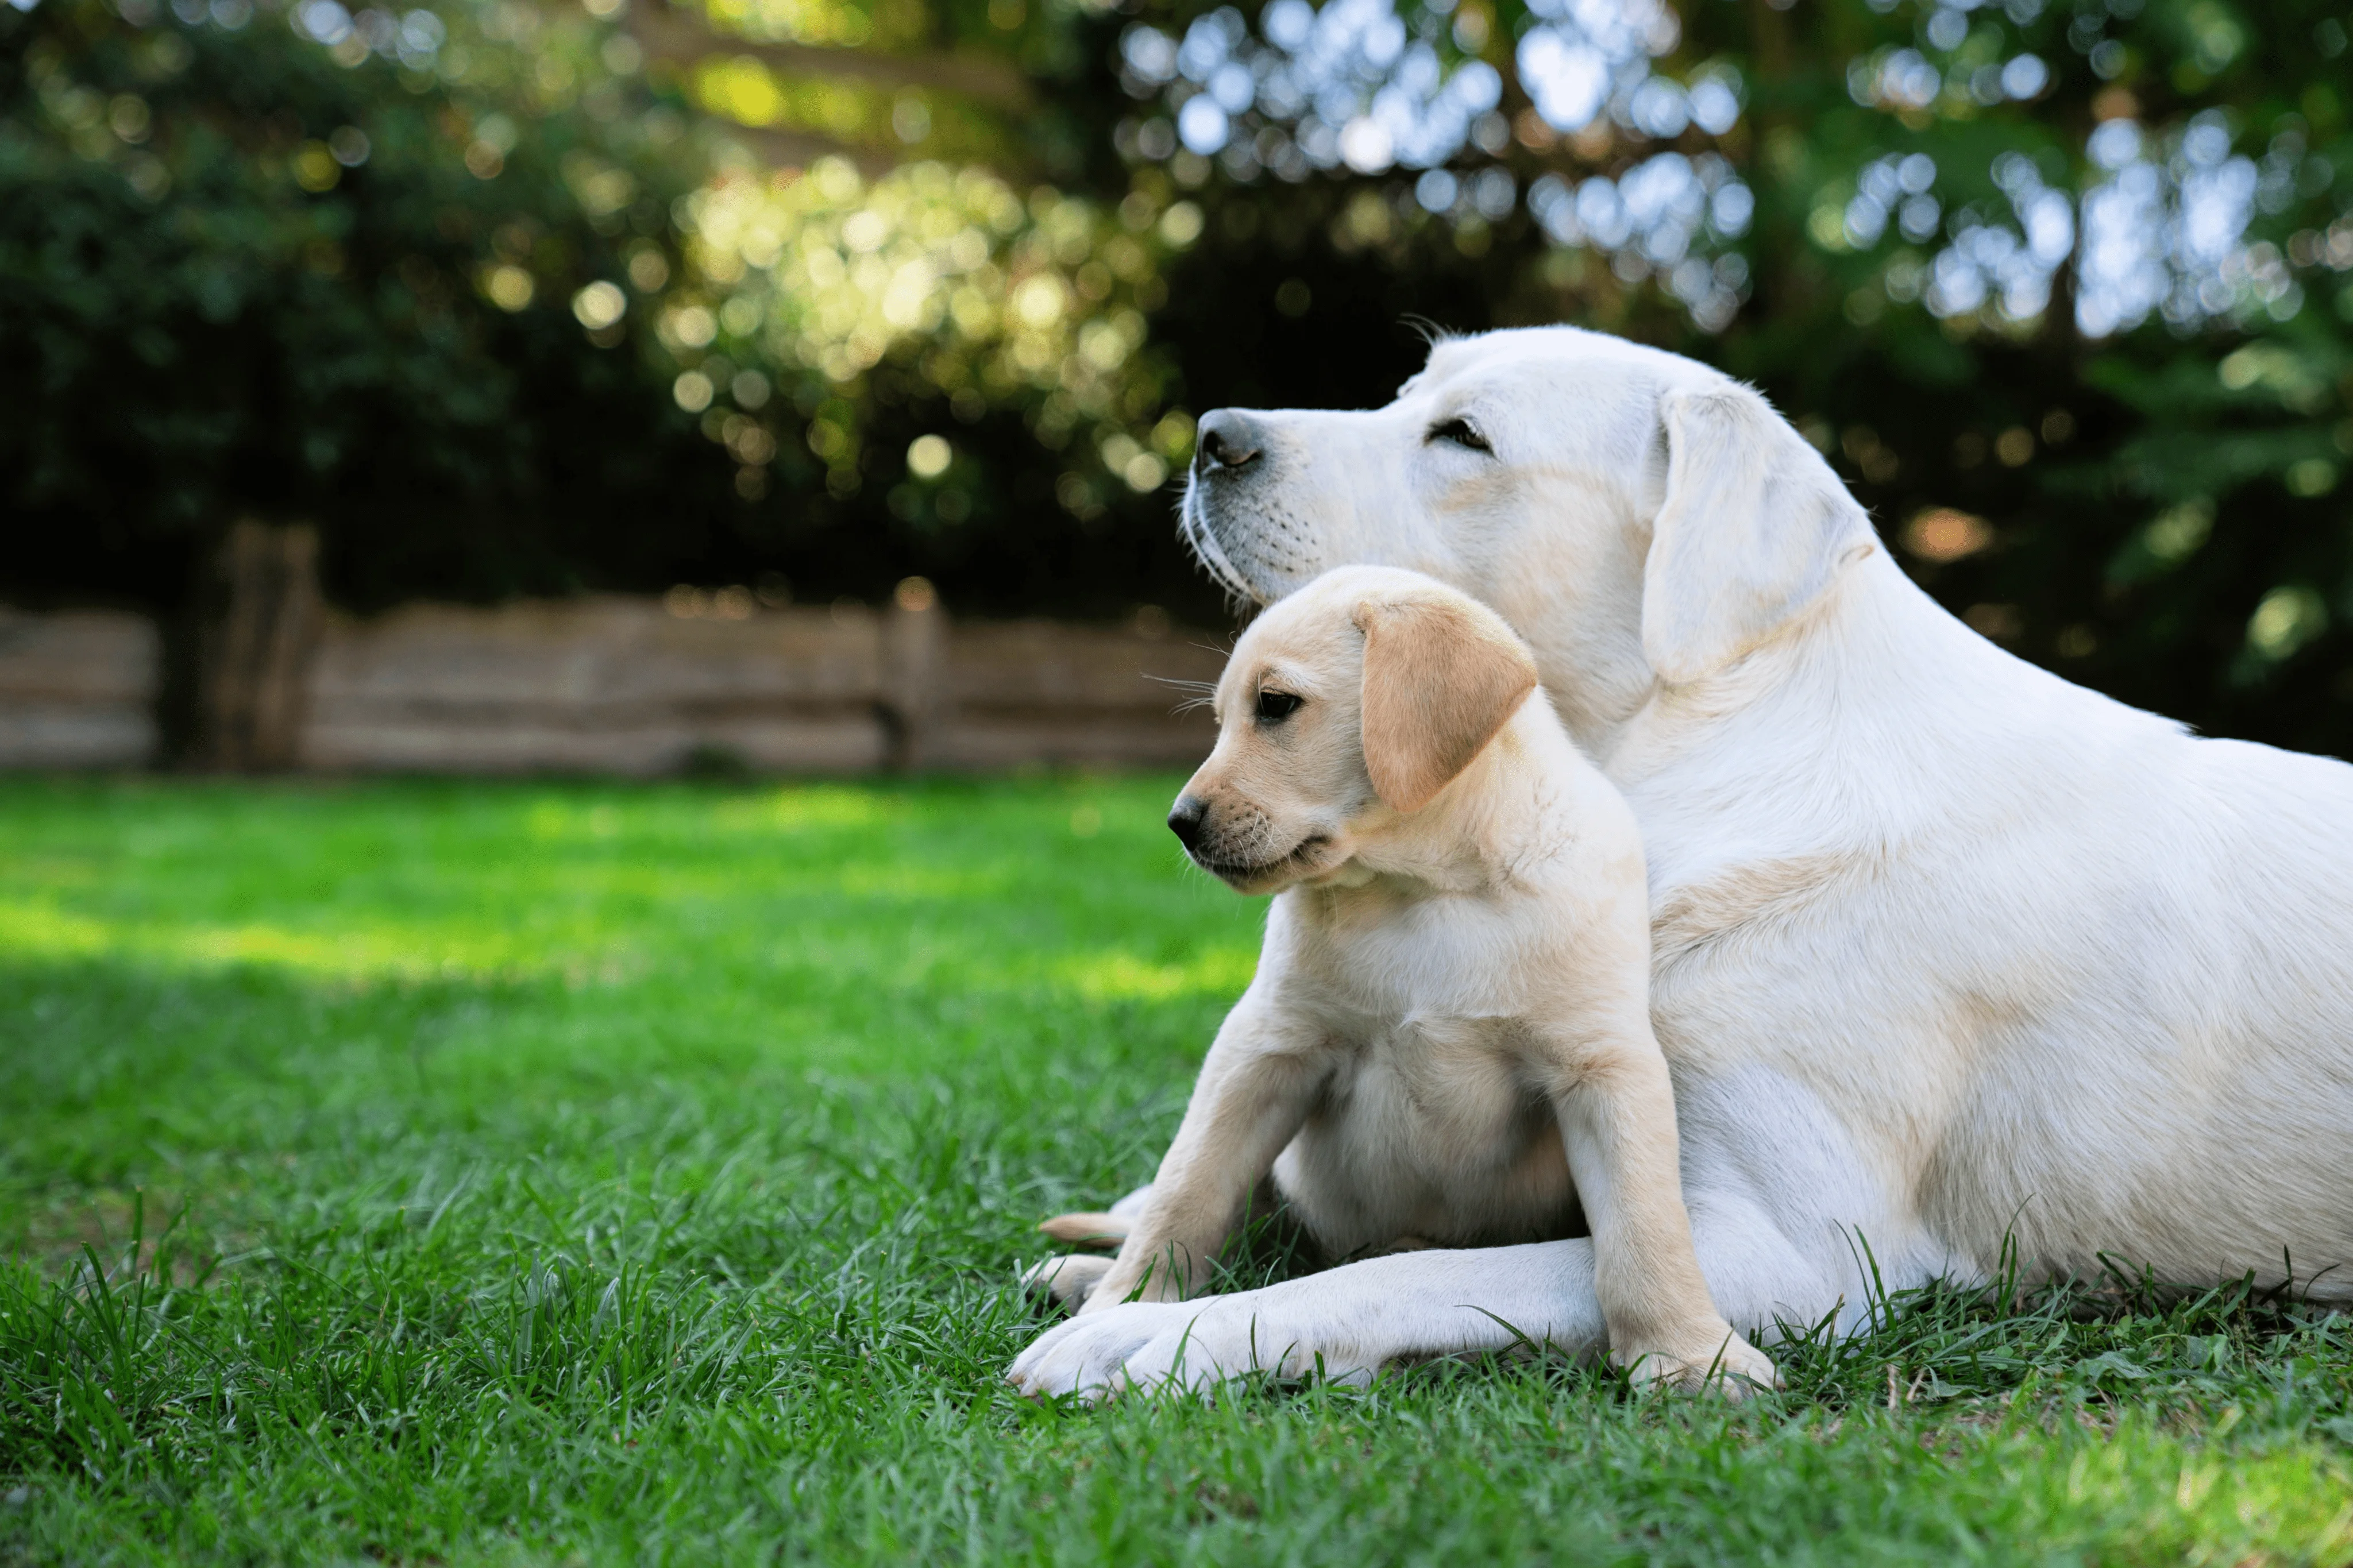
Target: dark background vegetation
(214, 308)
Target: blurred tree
(461, 287)
(2058, 284)
(251, 274)
(2062, 288)
(934, 285)
(941, 269)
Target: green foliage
(2062, 289)
(961, 298)
(504, 1174)
(2079, 447)
(2166, 515)
(249, 276)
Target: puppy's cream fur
(1448, 1041)
(1946, 951)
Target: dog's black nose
(1228, 441)
(1185, 819)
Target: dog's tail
(1088, 1229)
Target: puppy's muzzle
(1185, 820)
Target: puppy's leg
(1255, 1088)
(1617, 1111)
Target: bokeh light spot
(599, 305)
(928, 456)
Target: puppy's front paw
(1068, 1280)
(1717, 1360)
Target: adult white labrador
(1944, 947)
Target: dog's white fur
(1946, 949)
(1448, 1037)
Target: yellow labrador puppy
(1449, 1039)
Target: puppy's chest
(1464, 963)
(1429, 1017)
(1459, 1074)
(1447, 1066)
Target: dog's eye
(1274, 707)
(1459, 432)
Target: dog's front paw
(1068, 1280)
(1188, 1345)
(1089, 1355)
(1717, 1360)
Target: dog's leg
(1349, 1322)
(1354, 1321)
(1617, 1110)
(1259, 1078)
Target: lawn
(580, 1173)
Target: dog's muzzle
(1230, 462)
(1186, 819)
(1227, 443)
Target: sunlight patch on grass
(2168, 1499)
(1117, 976)
(44, 931)
(39, 930)
(807, 806)
(549, 821)
(779, 813)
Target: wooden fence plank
(77, 690)
(624, 686)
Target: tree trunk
(258, 629)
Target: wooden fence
(643, 687)
(78, 691)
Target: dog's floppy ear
(1441, 675)
(1754, 529)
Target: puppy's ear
(1441, 675)
(1754, 530)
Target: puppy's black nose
(1185, 819)
(1228, 441)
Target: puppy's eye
(1459, 432)
(1274, 707)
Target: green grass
(545, 1173)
